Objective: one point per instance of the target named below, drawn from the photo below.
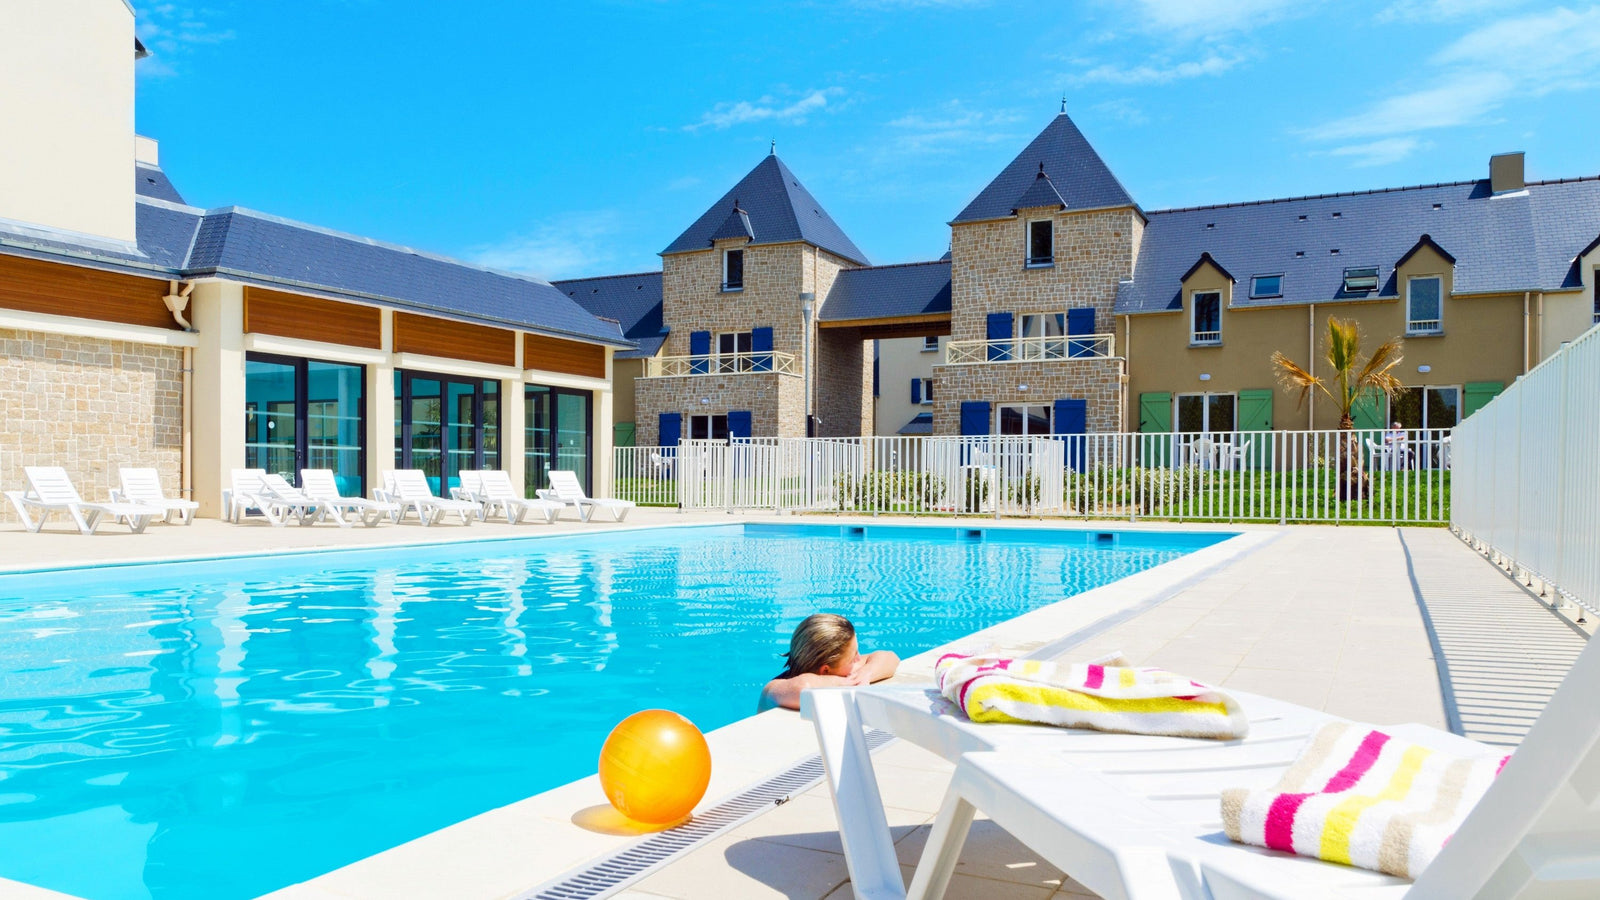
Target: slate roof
(1078, 173)
(736, 225)
(151, 181)
(921, 423)
(780, 209)
(1042, 192)
(633, 300)
(1522, 241)
(908, 289)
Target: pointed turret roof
(736, 225)
(1079, 176)
(1041, 193)
(777, 209)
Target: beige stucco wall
(1482, 341)
(90, 405)
(899, 361)
(67, 156)
(624, 371)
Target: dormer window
(1205, 317)
(1266, 286)
(1361, 280)
(1424, 305)
(733, 270)
(1041, 243)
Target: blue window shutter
(761, 342)
(1080, 321)
(671, 429)
(975, 417)
(916, 391)
(1071, 420)
(999, 329)
(739, 423)
(700, 345)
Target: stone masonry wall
(1096, 380)
(692, 298)
(91, 406)
(776, 402)
(844, 383)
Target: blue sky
(580, 138)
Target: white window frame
(1212, 338)
(1254, 294)
(709, 420)
(1205, 411)
(933, 349)
(1433, 326)
(1027, 250)
(1460, 389)
(927, 392)
(999, 413)
(727, 288)
(1043, 345)
(734, 362)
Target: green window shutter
(1367, 411)
(1476, 394)
(1155, 412)
(623, 434)
(1255, 410)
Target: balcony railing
(1031, 349)
(762, 363)
(1424, 326)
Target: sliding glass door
(558, 434)
(306, 414)
(446, 423)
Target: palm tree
(1352, 378)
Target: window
(1426, 407)
(1596, 283)
(733, 270)
(305, 414)
(1042, 242)
(1202, 413)
(708, 428)
(930, 344)
(445, 423)
(1361, 280)
(1041, 334)
(1205, 317)
(1423, 300)
(557, 434)
(1266, 286)
(1023, 419)
(927, 392)
(733, 351)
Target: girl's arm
(785, 692)
(878, 665)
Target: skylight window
(1361, 279)
(1266, 286)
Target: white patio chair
(1238, 455)
(491, 489)
(288, 500)
(246, 492)
(1386, 457)
(50, 490)
(320, 484)
(565, 490)
(1132, 816)
(144, 486)
(409, 489)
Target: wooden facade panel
(454, 340)
(312, 319)
(31, 285)
(556, 355)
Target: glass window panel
(1040, 241)
(270, 417)
(424, 415)
(700, 428)
(1405, 407)
(1010, 420)
(536, 437)
(733, 268)
(1425, 295)
(1207, 315)
(1191, 412)
(1266, 286)
(1444, 408)
(1219, 412)
(491, 425)
(335, 432)
(1038, 421)
(573, 437)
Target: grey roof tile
(908, 289)
(633, 300)
(1042, 192)
(1078, 173)
(921, 423)
(151, 181)
(780, 209)
(736, 225)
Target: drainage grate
(642, 857)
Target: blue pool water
(221, 729)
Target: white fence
(1267, 476)
(1528, 474)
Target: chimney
(1505, 172)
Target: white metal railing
(1263, 476)
(723, 364)
(1029, 349)
(1424, 326)
(645, 475)
(1528, 475)
(1206, 337)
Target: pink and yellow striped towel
(1363, 798)
(1106, 695)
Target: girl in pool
(823, 653)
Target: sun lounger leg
(138, 523)
(86, 524)
(863, 825)
(585, 511)
(943, 849)
(28, 521)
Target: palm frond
(1292, 377)
(1378, 373)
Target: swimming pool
(225, 728)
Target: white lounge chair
(1139, 817)
(320, 484)
(287, 500)
(144, 486)
(565, 490)
(244, 493)
(408, 488)
(50, 490)
(491, 489)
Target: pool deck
(1333, 618)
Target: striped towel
(1363, 798)
(1106, 695)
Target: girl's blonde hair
(818, 641)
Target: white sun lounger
(491, 489)
(1139, 817)
(287, 500)
(408, 488)
(144, 486)
(320, 484)
(244, 493)
(565, 489)
(50, 490)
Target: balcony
(763, 363)
(1031, 349)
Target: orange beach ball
(655, 766)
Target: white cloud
(726, 115)
(1380, 152)
(950, 127)
(1203, 18)
(1555, 50)
(1459, 99)
(1124, 111)
(171, 30)
(1440, 10)
(1165, 73)
(567, 246)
